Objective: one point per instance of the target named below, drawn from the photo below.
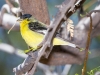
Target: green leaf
(76, 74)
(82, 15)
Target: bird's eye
(28, 19)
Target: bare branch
(5, 8)
(14, 10)
(11, 50)
(8, 21)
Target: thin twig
(88, 41)
(87, 46)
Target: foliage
(92, 72)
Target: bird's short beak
(19, 20)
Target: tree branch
(11, 50)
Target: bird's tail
(58, 41)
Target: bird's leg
(41, 44)
(27, 51)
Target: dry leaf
(70, 27)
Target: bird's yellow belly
(32, 38)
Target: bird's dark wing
(36, 26)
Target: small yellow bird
(30, 28)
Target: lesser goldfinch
(30, 27)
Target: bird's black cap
(25, 16)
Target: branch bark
(11, 50)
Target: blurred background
(9, 61)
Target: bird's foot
(41, 44)
(27, 51)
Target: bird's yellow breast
(31, 38)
